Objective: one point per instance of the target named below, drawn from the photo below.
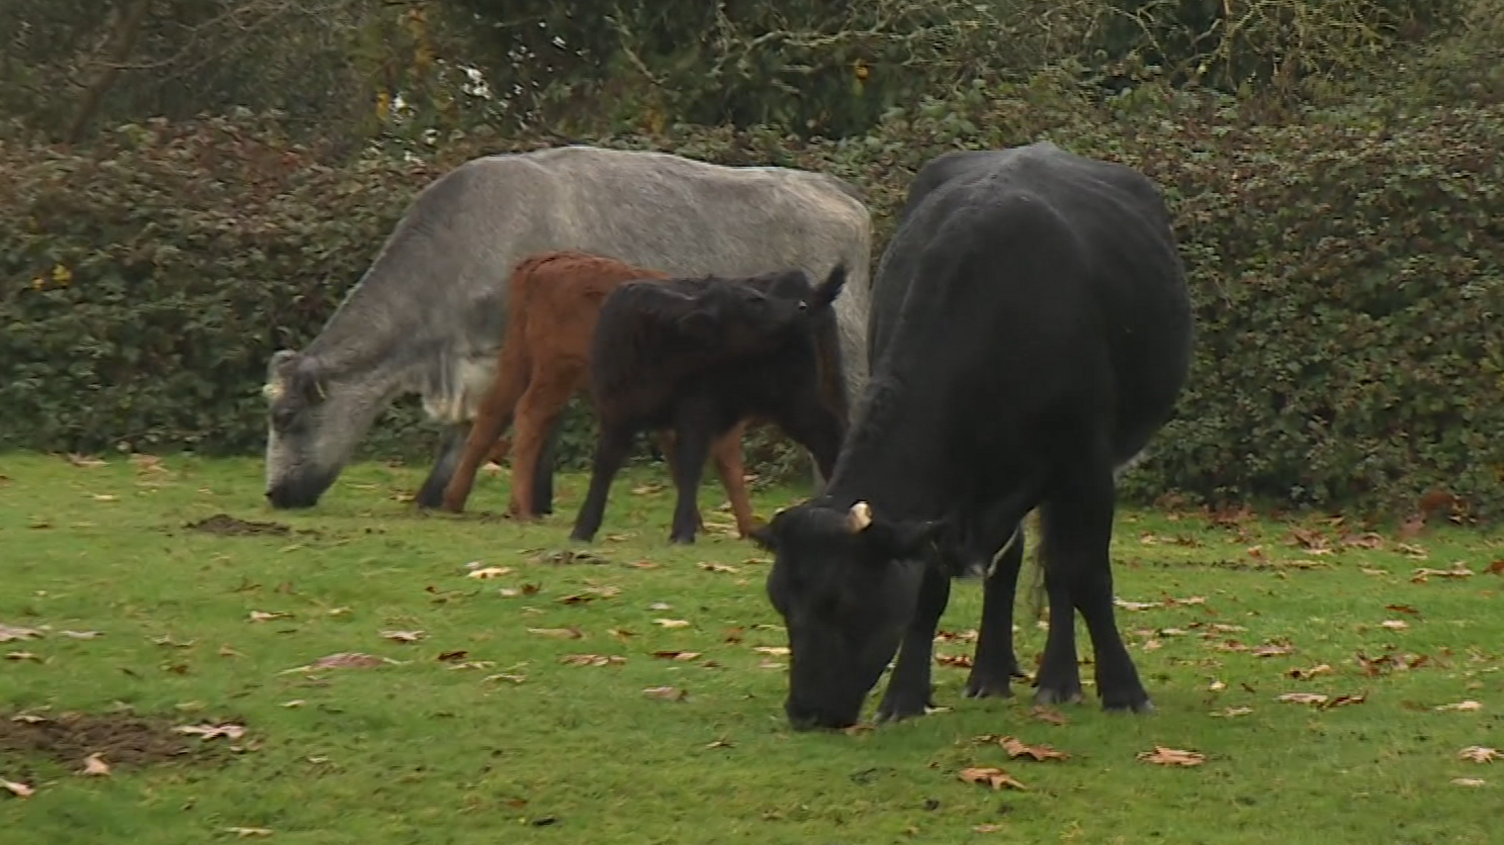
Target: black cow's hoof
(1051, 696)
(682, 539)
(898, 708)
(581, 538)
(988, 686)
(1128, 703)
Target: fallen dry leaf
(671, 623)
(676, 655)
(991, 777)
(1017, 748)
(20, 790)
(775, 650)
(293, 704)
(720, 743)
(1273, 650)
(666, 693)
(1495, 568)
(1304, 698)
(987, 828)
(509, 677)
(1458, 570)
(404, 636)
(20, 656)
(207, 731)
(717, 567)
(1233, 712)
(247, 832)
(96, 766)
(1479, 754)
(1162, 756)
(82, 635)
(592, 660)
(1461, 705)
(10, 633)
(1046, 714)
(345, 660)
(451, 656)
(1345, 700)
(769, 664)
(489, 572)
(1135, 605)
(570, 633)
(1469, 782)
(264, 616)
(1394, 624)
(1402, 608)
(1307, 674)
(959, 661)
(105, 497)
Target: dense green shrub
(1346, 265)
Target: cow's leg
(692, 434)
(727, 452)
(611, 452)
(909, 688)
(543, 470)
(431, 494)
(538, 413)
(995, 664)
(1059, 679)
(665, 441)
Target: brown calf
(555, 302)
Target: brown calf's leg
(726, 451)
(539, 408)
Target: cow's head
(845, 583)
(742, 319)
(312, 425)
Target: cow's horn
(859, 517)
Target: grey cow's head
(846, 584)
(313, 423)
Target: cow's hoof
(682, 539)
(987, 685)
(900, 707)
(1047, 696)
(580, 537)
(1136, 702)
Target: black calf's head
(845, 584)
(749, 316)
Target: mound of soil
(121, 740)
(225, 525)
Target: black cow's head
(845, 583)
(738, 318)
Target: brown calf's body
(555, 303)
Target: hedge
(1346, 266)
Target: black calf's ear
(829, 289)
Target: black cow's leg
(431, 494)
(1059, 678)
(995, 664)
(691, 449)
(543, 473)
(909, 687)
(611, 452)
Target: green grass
(430, 751)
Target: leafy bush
(1346, 266)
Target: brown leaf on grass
(592, 660)
(148, 463)
(1162, 756)
(1307, 674)
(666, 693)
(1233, 712)
(671, 623)
(1018, 748)
(22, 656)
(676, 655)
(734, 635)
(1367, 540)
(488, 572)
(1479, 754)
(570, 633)
(720, 743)
(82, 635)
(1457, 570)
(265, 616)
(207, 731)
(20, 790)
(775, 650)
(1304, 698)
(1469, 782)
(1047, 714)
(452, 656)
(990, 776)
(509, 677)
(85, 461)
(988, 828)
(621, 633)
(718, 567)
(1273, 650)
(1345, 700)
(106, 497)
(1394, 624)
(247, 832)
(10, 633)
(959, 661)
(969, 636)
(1135, 605)
(769, 664)
(343, 660)
(404, 636)
(1495, 568)
(1402, 608)
(95, 766)
(1463, 706)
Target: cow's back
(1043, 277)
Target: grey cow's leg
(431, 494)
(995, 664)
(909, 688)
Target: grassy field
(633, 694)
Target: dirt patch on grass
(224, 525)
(122, 741)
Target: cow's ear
(308, 379)
(763, 536)
(908, 539)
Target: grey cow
(429, 314)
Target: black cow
(701, 355)
(1030, 331)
